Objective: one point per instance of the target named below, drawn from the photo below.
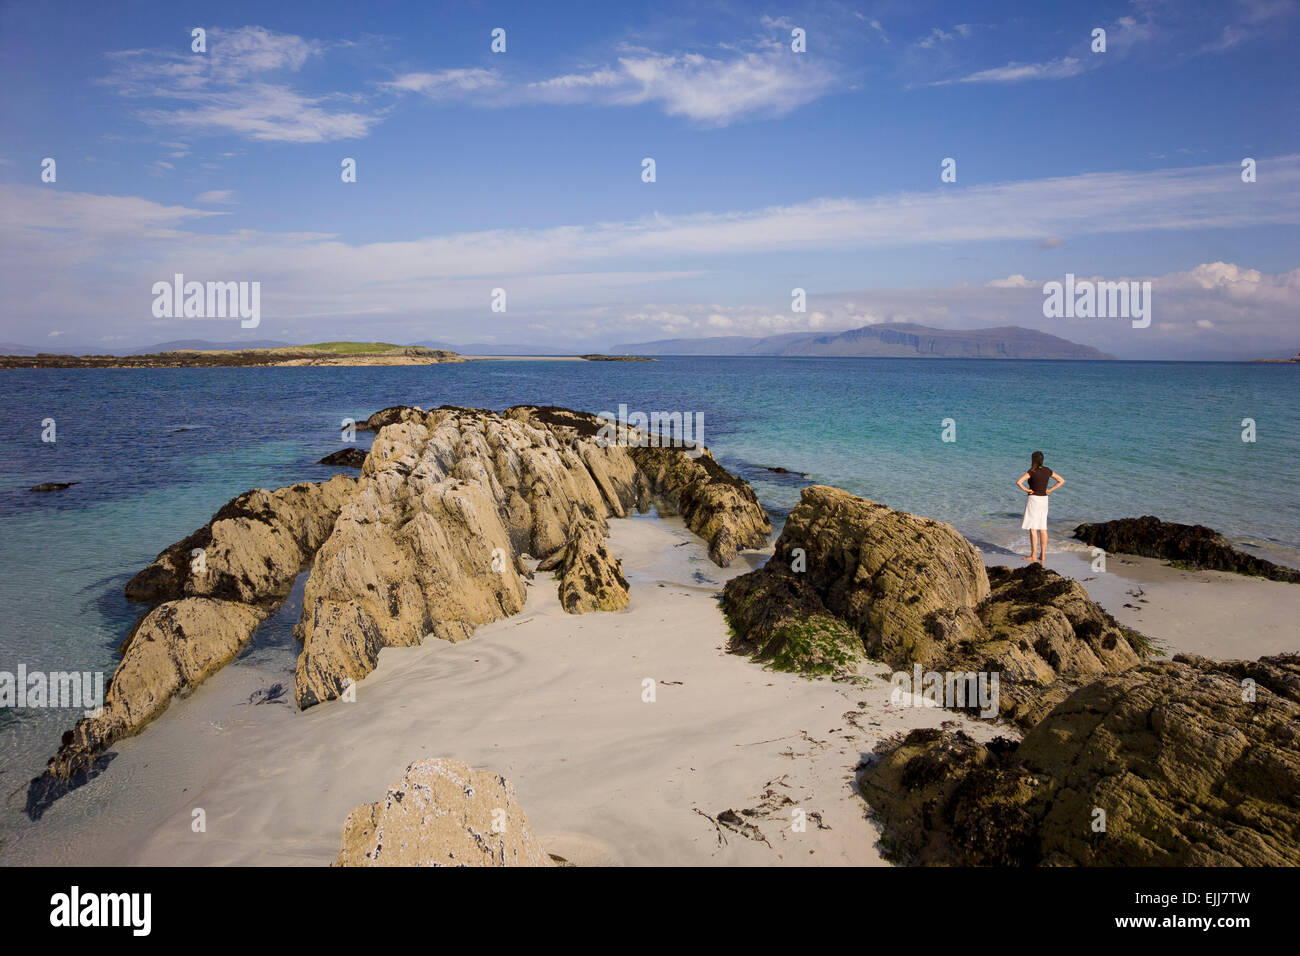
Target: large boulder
(442, 813)
(1184, 763)
(851, 579)
(1185, 545)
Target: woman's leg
(1033, 544)
(1042, 546)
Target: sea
(154, 452)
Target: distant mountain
(203, 345)
(496, 348)
(13, 348)
(889, 340)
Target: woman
(1034, 483)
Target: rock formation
(851, 579)
(1186, 545)
(251, 550)
(1187, 763)
(590, 579)
(442, 813)
(427, 542)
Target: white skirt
(1035, 514)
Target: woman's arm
(1020, 483)
(1059, 481)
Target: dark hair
(1037, 460)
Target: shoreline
(553, 702)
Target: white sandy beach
(1214, 613)
(554, 702)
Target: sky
(775, 169)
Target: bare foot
(1031, 559)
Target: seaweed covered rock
(780, 620)
(715, 504)
(851, 579)
(442, 813)
(590, 580)
(345, 457)
(1185, 763)
(1042, 635)
(391, 416)
(1186, 545)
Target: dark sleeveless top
(1038, 479)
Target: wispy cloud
(237, 87)
(222, 196)
(767, 80)
(1059, 69)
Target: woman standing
(1034, 483)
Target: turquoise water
(156, 452)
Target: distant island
(887, 340)
(1285, 361)
(319, 354)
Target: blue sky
(775, 169)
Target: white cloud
(1016, 281)
(216, 196)
(446, 83)
(1059, 69)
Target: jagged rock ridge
(427, 542)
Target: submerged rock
(442, 813)
(1186, 763)
(851, 579)
(52, 485)
(1185, 545)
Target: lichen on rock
(442, 813)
